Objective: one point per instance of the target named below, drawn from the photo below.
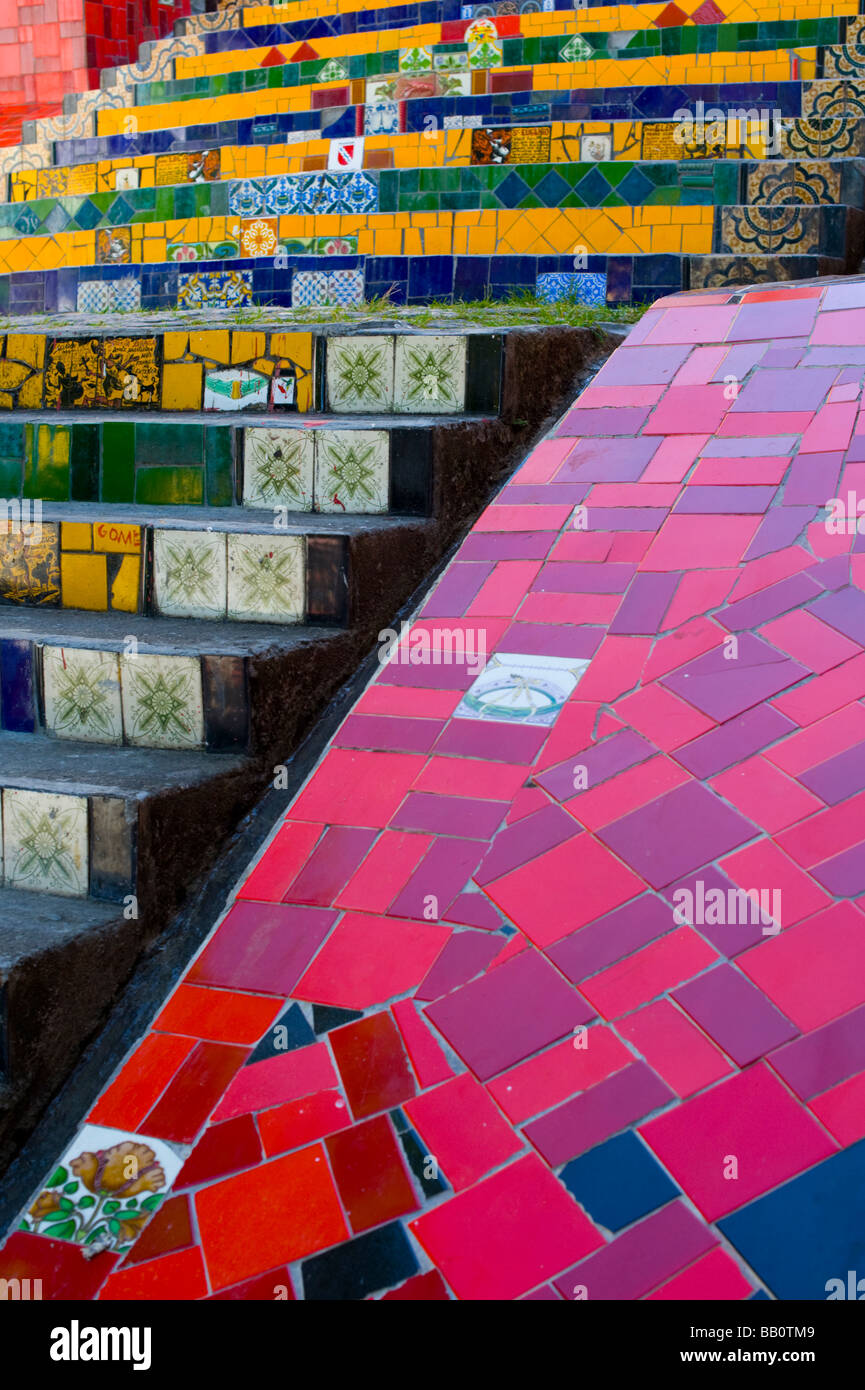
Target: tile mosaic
(190, 571)
(430, 374)
(278, 468)
(360, 374)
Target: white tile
(430, 374)
(521, 689)
(82, 694)
(278, 468)
(162, 701)
(45, 842)
(190, 573)
(266, 578)
(360, 374)
(352, 471)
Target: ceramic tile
(360, 374)
(430, 375)
(517, 689)
(162, 701)
(352, 470)
(191, 574)
(266, 578)
(45, 842)
(278, 468)
(82, 694)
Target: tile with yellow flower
(104, 1190)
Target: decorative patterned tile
(162, 702)
(215, 289)
(382, 117)
(190, 573)
(235, 389)
(104, 1190)
(266, 578)
(578, 287)
(278, 468)
(516, 689)
(309, 288)
(351, 471)
(82, 694)
(430, 374)
(45, 842)
(360, 374)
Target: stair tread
(245, 519)
(179, 636)
(30, 922)
(84, 769)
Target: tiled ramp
(490, 1018)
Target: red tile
(195, 1090)
(262, 946)
(615, 668)
(524, 1229)
(279, 863)
(560, 1072)
(263, 1288)
(169, 1229)
(302, 1121)
(662, 717)
(458, 776)
(386, 870)
(833, 830)
(64, 1273)
(816, 698)
(399, 700)
(808, 640)
(750, 1118)
(367, 960)
(338, 855)
(222, 1149)
(635, 787)
(141, 1081)
(714, 1276)
(765, 795)
(369, 1173)
(427, 1058)
(217, 1014)
(502, 594)
(463, 1129)
(422, 1288)
(351, 786)
(764, 864)
(834, 734)
(695, 542)
(660, 966)
(674, 1047)
(842, 1110)
(792, 968)
(178, 1277)
(275, 1080)
(373, 1065)
(279, 1212)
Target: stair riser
(837, 232)
(76, 846)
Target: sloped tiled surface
(488, 1017)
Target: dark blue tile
(289, 1032)
(17, 687)
(618, 1182)
(360, 1267)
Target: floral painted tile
(266, 578)
(82, 694)
(352, 471)
(190, 574)
(258, 236)
(162, 701)
(430, 374)
(45, 842)
(417, 59)
(104, 1190)
(516, 689)
(278, 468)
(309, 288)
(360, 374)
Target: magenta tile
(844, 874)
(543, 494)
(728, 501)
(572, 577)
(821, 1059)
(516, 1009)
(481, 546)
(642, 609)
(735, 1014)
(739, 360)
(529, 837)
(833, 573)
(781, 527)
(645, 1256)
(681, 830)
(387, 732)
(468, 953)
(610, 420)
(459, 584)
(262, 946)
(338, 854)
(443, 872)
(455, 675)
(602, 761)
(500, 743)
(730, 938)
(790, 318)
(550, 639)
(769, 389)
(838, 777)
(845, 611)
(474, 910)
(642, 366)
(625, 1097)
(733, 741)
(626, 518)
(612, 937)
(771, 446)
(544, 1295)
(722, 688)
(768, 603)
(812, 479)
(608, 460)
(465, 816)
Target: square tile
(382, 118)
(515, 689)
(309, 288)
(360, 374)
(266, 578)
(45, 844)
(162, 702)
(126, 178)
(235, 389)
(278, 468)
(346, 154)
(464, 1129)
(352, 470)
(596, 148)
(191, 574)
(82, 694)
(345, 287)
(104, 1189)
(429, 374)
(93, 297)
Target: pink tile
(715, 1276)
(674, 1047)
(791, 968)
(367, 960)
(464, 1129)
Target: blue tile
(809, 1230)
(619, 1182)
(17, 687)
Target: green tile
(11, 459)
(84, 463)
(219, 455)
(47, 458)
(118, 462)
(175, 444)
(169, 486)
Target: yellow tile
(181, 386)
(214, 345)
(245, 346)
(174, 345)
(26, 347)
(84, 581)
(116, 538)
(124, 590)
(75, 535)
(295, 346)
